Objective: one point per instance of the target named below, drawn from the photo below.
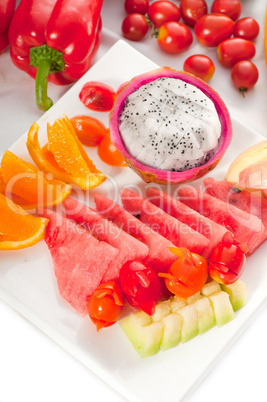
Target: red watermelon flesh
(210, 229)
(159, 257)
(79, 259)
(129, 247)
(172, 229)
(246, 227)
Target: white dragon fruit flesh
(170, 126)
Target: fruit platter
(28, 282)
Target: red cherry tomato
(233, 50)
(187, 275)
(244, 75)
(192, 10)
(89, 130)
(140, 285)
(200, 65)
(227, 262)
(136, 6)
(174, 37)
(211, 29)
(246, 28)
(160, 12)
(134, 27)
(232, 8)
(109, 153)
(97, 96)
(105, 305)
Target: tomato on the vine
(174, 37)
(109, 153)
(211, 29)
(89, 130)
(246, 28)
(187, 275)
(162, 11)
(136, 6)
(140, 285)
(244, 75)
(232, 8)
(105, 305)
(134, 27)
(227, 261)
(233, 50)
(200, 65)
(192, 10)
(97, 96)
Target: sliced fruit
(238, 294)
(181, 320)
(144, 335)
(26, 185)
(222, 307)
(172, 229)
(18, 229)
(244, 226)
(251, 156)
(64, 156)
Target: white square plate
(28, 284)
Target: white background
(32, 367)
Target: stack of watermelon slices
(89, 247)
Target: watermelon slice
(129, 247)
(210, 229)
(79, 259)
(246, 227)
(172, 229)
(159, 257)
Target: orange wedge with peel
(27, 186)
(18, 229)
(64, 155)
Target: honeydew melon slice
(205, 315)
(173, 324)
(190, 322)
(237, 293)
(222, 307)
(161, 310)
(144, 334)
(210, 288)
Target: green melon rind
(178, 321)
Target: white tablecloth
(34, 368)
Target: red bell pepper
(7, 8)
(54, 40)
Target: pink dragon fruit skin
(149, 174)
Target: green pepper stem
(43, 102)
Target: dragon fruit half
(170, 126)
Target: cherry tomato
(134, 27)
(187, 275)
(160, 12)
(200, 65)
(105, 305)
(97, 96)
(246, 28)
(174, 37)
(192, 10)
(140, 285)
(211, 29)
(232, 8)
(227, 262)
(109, 153)
(89, 130)
(136, 6)
(233, 50)
(244, 75)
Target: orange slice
(18, 229)
(27, 186)
(64, 155)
